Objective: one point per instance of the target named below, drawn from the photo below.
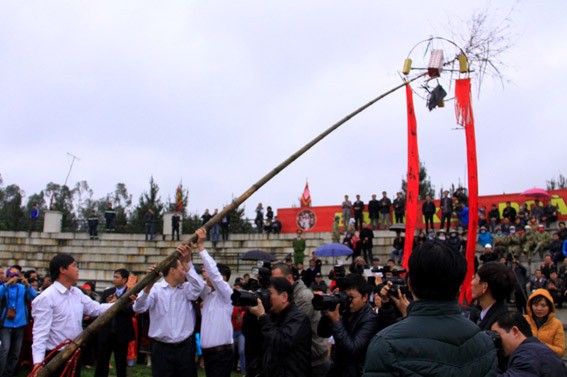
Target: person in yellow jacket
(541, 317)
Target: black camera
(259, 290)
(399, 286)
(338, 272)
(380, 270)
(330, 302)
(246, 298)
(264, 273)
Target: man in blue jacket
(14, 293)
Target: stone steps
(98, 259)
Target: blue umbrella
(333, 250)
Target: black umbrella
(398, 226)
(258, 255)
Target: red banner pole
(412, 191)
(465, 118)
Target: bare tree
(485, 42)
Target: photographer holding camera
(527, 355)
(16, 292)
(286, 333)
(435, 339)
(302, 297)
(253, 350)
(352, 325)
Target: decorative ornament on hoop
(444, 62)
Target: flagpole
(103, 319)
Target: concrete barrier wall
(98, 259)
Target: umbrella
(257, 255)
(537, 193)
(333, 250)
(398, 226)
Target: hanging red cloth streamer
(412, 191)
(465, 117)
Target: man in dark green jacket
(434, 339)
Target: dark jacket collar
(433, 307)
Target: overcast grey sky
(216, 93)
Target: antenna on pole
(71, 167)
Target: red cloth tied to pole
(412, 191)
(465, 117)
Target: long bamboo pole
(82, 338)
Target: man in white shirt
(216, 325)
(58, 311)
(172, 317)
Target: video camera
(250, 298)
(330, 302)
(386, 269)
(264, 272)
(398, 285)
(338, 272)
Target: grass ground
(135, 371)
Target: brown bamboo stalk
(82, 338)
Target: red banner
(412, 178)
(320, 219)
(465, 118)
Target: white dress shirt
(172, 318)
(216, 326)
(58, 315)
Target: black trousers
(175, 230)
(367, 253)
(93, 231)
(105, 350)
(445, 216)
(218, 361)
(173, 360)
(399, 217)
(224, 231)
(358, 221)
(428, 220)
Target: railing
(80, 226)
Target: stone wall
(98, 259)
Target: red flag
(179, 198)
(465, 118)
(412, 191)
(306, 197)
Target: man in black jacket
(286, 333)
(358, 208)
(428, 209)
(115, 336)
(446, 205)
(366, 237)
(373, 212)
(528, 356)
(399, 207)
(352, 331)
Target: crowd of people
(363, 319)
